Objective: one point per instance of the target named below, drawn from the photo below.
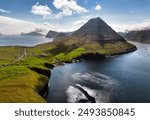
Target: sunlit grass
(18, 83)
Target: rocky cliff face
(96, 29)
(139, 36)
(54, 34)
(51, 34)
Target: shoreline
(38, 69)
(84, 57)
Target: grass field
(18, 83)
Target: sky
(17, 16)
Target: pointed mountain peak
(97, 29)
(97, 19)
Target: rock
(42, 71)
(44, 91)
(89, 56)
(51, 34)
(48, 65)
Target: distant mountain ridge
(55, 34)
(32, 34)
(139, 36)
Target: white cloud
(4, 11)
(98, 7)
(60, 27)
(131, 27)
(58, 16)
(80, 22)
(11, 26)
(68, 7)
(41, 10)
(117, 27)
(88, 17)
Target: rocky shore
(84, 57)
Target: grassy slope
(8, 54)
(20, 84)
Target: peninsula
(25, 71)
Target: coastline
(36, 65)
(84, 57)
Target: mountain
(93, 37)
(54, 34)
(51, 34)
(32, 34)
(97, 30)
(139, 36)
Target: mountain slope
(97, 37)
(97, 29)
(139, 36)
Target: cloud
(11, 26)
(130, 27)
(117, 27)
(98, 7)
(41, 10)
(60, 27)
(4, 11)
(39, 30)
(80, 22)
(68, 7)
(58, 16)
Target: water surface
(123, 78)
(19, 40)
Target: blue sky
(68, 15)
